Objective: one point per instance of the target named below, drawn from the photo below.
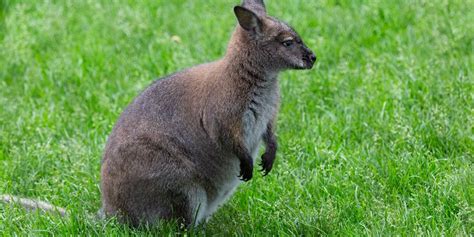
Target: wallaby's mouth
(308, 61)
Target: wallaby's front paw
(267, 162)
(246, 170)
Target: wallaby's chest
(261, 109)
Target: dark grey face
(276, 42)
(286, 46)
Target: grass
(378, 139)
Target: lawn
(377, 139)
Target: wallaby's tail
(32, 205)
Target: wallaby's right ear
(258, 6)
(248, 20)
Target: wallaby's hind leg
(151, 208)
(144, 202)
(187, 206)
(145, 181)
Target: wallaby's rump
(178, 150)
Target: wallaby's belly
(225, 191)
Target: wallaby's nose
(312, 57)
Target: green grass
(377, 139)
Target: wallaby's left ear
(248, 20)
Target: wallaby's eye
(287, 43)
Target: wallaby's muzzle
(309, 58)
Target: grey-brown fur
(177, 150)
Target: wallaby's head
(272, 40)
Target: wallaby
(181, 148)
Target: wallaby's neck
(244, 61)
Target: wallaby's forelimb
(32, 205)
(271, 147)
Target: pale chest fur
(261, 110)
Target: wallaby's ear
(248, 20)
(258, 6)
